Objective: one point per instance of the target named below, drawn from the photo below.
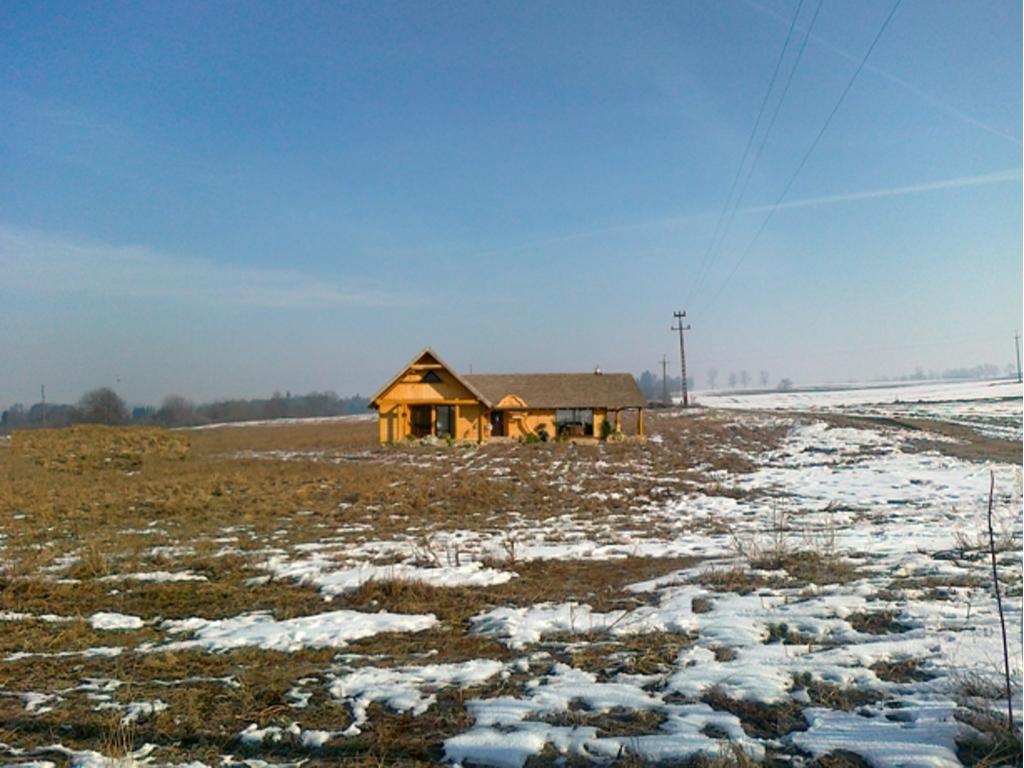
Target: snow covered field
(991, 407)
(751, 585)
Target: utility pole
(664, 380)
(682, 351)
(1016, 341)
(42, 395)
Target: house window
(575, 422)
(421, 420)
(445, 421)
(430, 377)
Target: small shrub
(701, 605)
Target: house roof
(428, 352)
(560, 390)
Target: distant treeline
(651, 385)
(987, 371)
(104, 406)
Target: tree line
(651, 383)
(105, 406)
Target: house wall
(395, 421)
(472, 417)
(471, 422)
(521, 423)
(409, 389)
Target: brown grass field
(287, 485)
(214, 502)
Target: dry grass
(762, 721)
(844, 698)
(840, 759)
(616, 721)
(240, 492)
(652, 653)
(990, 743)
(73, 520)
(991, 739)
(92, 448)
(901, 671)
(791, 569)
(818, 567)
(740, 580)
(884, 622)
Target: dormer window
(430, 377)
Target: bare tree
(102, 406)
(176, 411)
(732, 381)
(712, 377)
(744, 379)
(764, 379)
(276, 407)
(786, 385)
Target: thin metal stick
(999, 599)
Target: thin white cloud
(979, 180)
(35, 262)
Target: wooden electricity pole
(682, 352)
(42, 395)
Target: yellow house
(428, 398)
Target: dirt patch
(808, 566)
(840, 758)
(902, 671)
(617, 721)
(701, 605)
(967, 443)
(761, 721)
(652, 653)
(843, 698)
(740, 580)
(877, 622)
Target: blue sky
(221, 199)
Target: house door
(422, 420)
(497, 423)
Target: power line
(774, 117)
(746, 152)
(760, 149)
(809, 152)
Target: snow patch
(323, 630)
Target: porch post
(618, 421)
(640, 421)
